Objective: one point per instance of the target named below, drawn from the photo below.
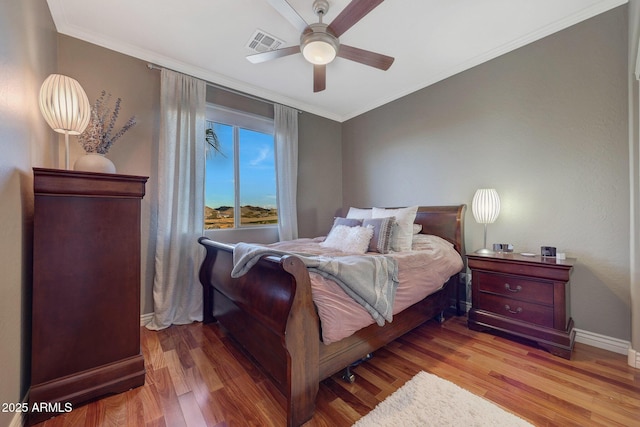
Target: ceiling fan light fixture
(319, 52)
(318, 46)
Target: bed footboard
(270, 312)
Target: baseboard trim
(145, 318)
(602, 341)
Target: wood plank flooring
(197, 376)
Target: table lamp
(65, 107)
(485, 207)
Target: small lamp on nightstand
(485, 207)
(65, 107)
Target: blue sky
(257, 170)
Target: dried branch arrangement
(98, 137)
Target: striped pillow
(381, 240)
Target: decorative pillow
(349, 239)
(417, 228)
(401, 237)
(349, 222)
(359, 213)
(381, 240)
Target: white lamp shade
(64, 104)
(486, 205)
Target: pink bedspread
(420, 273)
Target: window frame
(253, 122)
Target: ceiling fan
(319, 42)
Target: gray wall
(319, 174)
(27, 57)
(546, 125)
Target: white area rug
(426, 400)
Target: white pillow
(349, 239)
(359, 213)
(403, 232)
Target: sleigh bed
(270, 312)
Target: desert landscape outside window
(240, 178)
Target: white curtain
(286, 141)
(177, 294)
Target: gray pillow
(349, 222)
(381, 240)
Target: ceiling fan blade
(257, 58)
(285, 9)
(319, 78)
(350, 15)
(366, 57)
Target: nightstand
(523, 296)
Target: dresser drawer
(519, 310)
(515, 287)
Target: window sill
(266, 234)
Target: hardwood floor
(196, 376)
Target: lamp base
(485, 251)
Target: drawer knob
(510, 289)
(516, 311)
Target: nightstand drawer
(515, 309)
(515, 287)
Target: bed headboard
(444, 221)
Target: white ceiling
(430, 40)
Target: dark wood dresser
(523, 296)
(86, 288)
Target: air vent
(261, 41)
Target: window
(240, 177)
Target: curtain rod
(217, 86)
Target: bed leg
(347, 375)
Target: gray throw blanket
(370, 280)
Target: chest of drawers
(85, 325)
(523, 296)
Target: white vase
(94, 162)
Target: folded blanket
(370, 280)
